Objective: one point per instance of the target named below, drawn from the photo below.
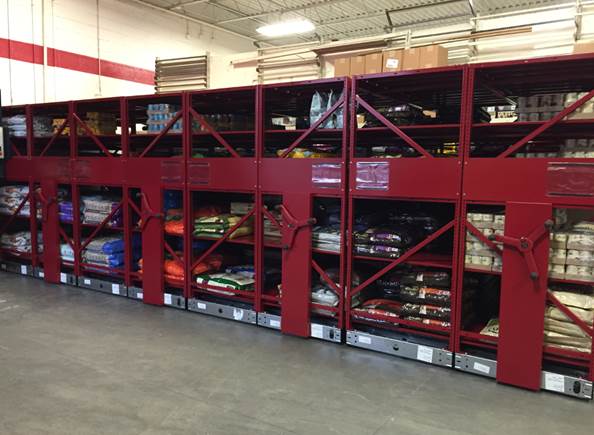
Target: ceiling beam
(246, 16)
(311, 4)
(190, 18)
(186, 3)
(382, 13)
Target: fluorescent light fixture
(290, 27)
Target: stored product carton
(357, 65)
(583, 47)
(342, 66)
(373, 63)
(392, 61)
(411, 58)
(432, 56)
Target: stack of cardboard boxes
(429, 56)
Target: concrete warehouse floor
(73, 361)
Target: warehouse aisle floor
(74, 361)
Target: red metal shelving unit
(222, 156)
(214, 147)
(523, 170)
(302, 191)
(155, 152)
(424, 180)
(19, 147)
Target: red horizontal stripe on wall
(33, 53)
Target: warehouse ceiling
(336, 19)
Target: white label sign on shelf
(41, 275)
(483, 368)
(167, 299)
(392, 62)
(365, 340)
(201, 306)
(275, 323)
(87, 281)
(63, 278)
(425, 354)
(23, 269)
(237, 313)
(554, 382)
(317, 331)
(115, 289)
(139, 295)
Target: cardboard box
(432, 56)
(411, 58)
(392, 60)
(373, 63)
(342, 66)
(583, 47)
(357, 65)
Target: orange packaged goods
(209, 264)
(208, 211)
(174, 223)
(174, 270)
(175, 228)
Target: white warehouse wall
(128, 38)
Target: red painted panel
(139, 171)
(296, 175)
(296, 273)
(436, 178)
(19, 169)
(94, 170)
(152, 246)
(52, 167)
(51, 237)
(223, 173)
(523, 300)
(172, 171)
(511, 179)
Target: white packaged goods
(487, 217)
(580, 258)
(558, 240)
(580, 241)
(557, 256)
(572, 299)
(487, 231)
(557, 271)
(486, 261)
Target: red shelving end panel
(523, 294)
(152, 244)
(296, 273)
(47, 197)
